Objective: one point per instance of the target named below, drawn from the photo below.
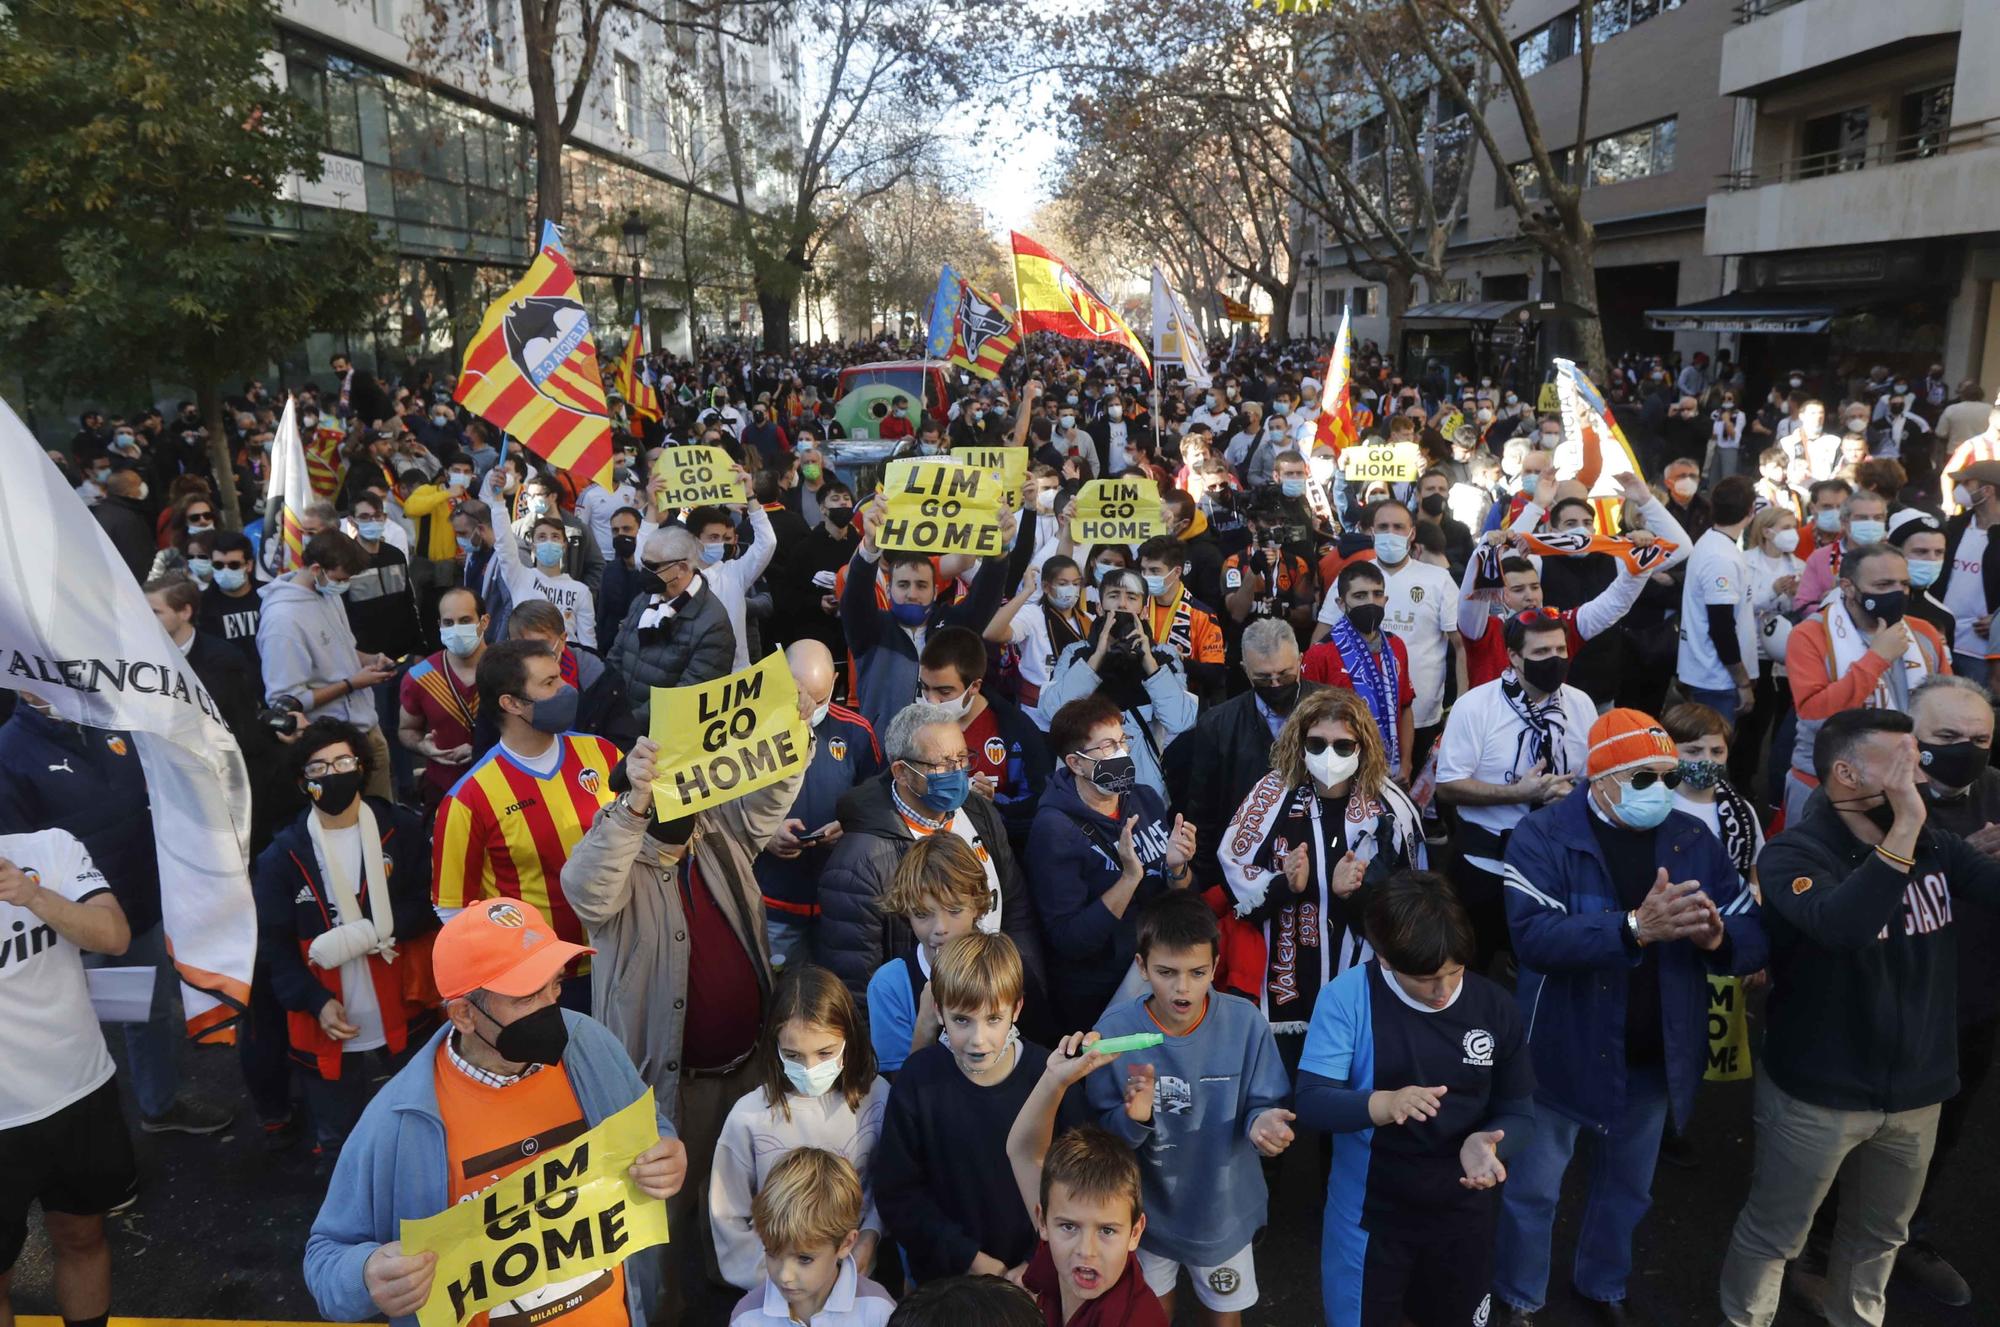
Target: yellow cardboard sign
(1548, 401)
(698, 477)
(1393, 462)
(565, 1219)
(1117, 511)
(1728, 1031)
(722, 739)
(1448, 421)
(940, 506)
(1010, 463)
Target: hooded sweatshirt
(305, 643)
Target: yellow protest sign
(1117, 511)
(722, 739)
(1010, 463)
(698, 477)
(1396, 462)
(1448, 421)
(1548, 401)
(1728, 1030)
(941, 507)
(563, 1220)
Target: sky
(1007, 177)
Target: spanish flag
(1337, 427)
(635, 384)
(1051, 297)
(532, 368)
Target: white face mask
(819, 715)
(815, 1081)
(1329, 770)
(1685, 488)
(1785, 541)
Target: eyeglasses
(657, 567)
(201, 516)
(319, 769)
(1645, 777)
(958, 762)
(1342, 746)
(1108, 748)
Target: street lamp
(632, 238)
(1312, 296)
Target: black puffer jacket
(856, 936)
(699, 645)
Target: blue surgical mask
(1156, 586)
(910, 615)
(1390, 548)
(371, 530)
(101, 475)
(814, 1082)
(465, 544)
(1293, 487)
(1827, 521)
(207, 527)
(945, 790)
(1645, 808)
(202, 569)
(714, 553)
(1281, 409)
(1923, 575)
(538, 505)
(232, 578)
(1101, 570)
(548, 553)
(461, 638)
(458, 479)
(334, 588)
(1866, 532)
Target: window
(1922, 122)
(1529, 180)
(1835, 143)
(1559, 38)
(495, 36)
(1366, 301)
(1329, 301)
(1553, 41)
(1632, 155)
(1301, 303)
(384, 13)
(1368, 137)
(625, 94)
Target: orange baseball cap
(1621, 739)
(502, 945)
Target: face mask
(1156, 586)
(333, 588)
(1483, 415)
(946, 790)
(910, 615)
(1798, 382)
(1923, 575)
(1545, 675)
(307, 422)
(1827, 521)
(814, 1081)
(1902, 389)
(231, 578)
(202, 569)
(1645, 808)
(624, 546)
(1293, 488)
(1685, 488)
(1045, 500)
(1700, 775)
(1064, 597)
(548, 553)
(1433, 505)
(1391, 549)
(1114, 774)
(1068, 422)
(1114, 412)
(1953, 765)
(102, 476)
(1866, 532)
(1281, 409)
(334, 793)
(810, 472)
(441, 421)
(840, 516)
(370, 530)
(714, 553)
(1960, 494)
(145, 491)
(1366, 618)
(1857, 425)
(537, 1038)
(1330, 770)
(538, 505)
(458, 479)
(557, 714)
(461, 638)
(1785, 541)
(1550, 441)
(1886, 608)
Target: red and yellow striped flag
(1051, 297)
(1337, 427)
(532, 368)
(634, 384)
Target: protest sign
(1728, 1030)
(698, 477)
(1396, 462)
(1449, 421)
(937, 506)
(1117, 511)
(722, 739)
(1010, 463)
(563, 1221)
(1548, 401)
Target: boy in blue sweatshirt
(1212, 1100)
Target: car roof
(894, 364)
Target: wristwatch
(1632, 926)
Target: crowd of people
(1407, 821)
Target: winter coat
(695, 646)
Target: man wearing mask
(439, 701)
(764, 433)
(1864, 520)
(506, 827)
(1110, 435)
(1718, 637)
(381, 604)
(483, 572)
(1010, 761)
(1374, 664)
(582, 559)
(622, 573)
(1685, 502)
(309, 652)
(439, 431)
(845, 754)
(127, 520)
(677, 631)
(433, 550)
(1178, 620)
(1969, 582)
(596, 503)
(1727, 440)
(1614, 954)
(1860, 651)
(807, 608)
(732, 570)
(1860, 1043)
(813, 476)
(230, 605)
(1902, 434)
(508, 1070)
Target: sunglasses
(1342, 746)
(1645, 777)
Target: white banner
(1176, 335)
(290, 492)
(76, 631)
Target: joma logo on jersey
(521, 805)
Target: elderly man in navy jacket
(1619, 906)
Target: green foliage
(146, 145)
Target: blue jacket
(885, 656)
(55, 774)
(1574, 951)
(845, 752)
(393, 1168)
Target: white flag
(290, 493)
(75, 629)
(1176, 336)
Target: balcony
(1775, 40)
(1922, 186)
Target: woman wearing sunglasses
(1325, 822)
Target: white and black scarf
(663, 610)
(1544, 726)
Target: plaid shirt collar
(478, 1075)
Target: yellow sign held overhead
(1396, 463)
(1117, 511)
(698, 477)
(1010, 463)
(722, 739)
(570, 1212)
(941, 506)
(1548, 401)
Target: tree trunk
(1397, 284)
(777, 309)
(546, 119)
(1281, 298)
(223, 465)
(1579, 271)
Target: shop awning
(1451, 312)
(1746, 311)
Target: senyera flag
(969, 328)
(1051, 297)
(1593, 448)
(635, 384)
(532, 368)
(1337, 428)
(290, 493)
(79, 636)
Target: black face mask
(840, 516)
(1279, 699)
(537, 1038)
(1433, 505)
(1114, 774)
(1952, 765)
(334, 793)
(1366, 618)
(1886, 608)
(1545, 675)
(1881, 815)
(623, 546)
(673, 832)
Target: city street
(220, 1226)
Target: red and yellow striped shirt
(504, 833)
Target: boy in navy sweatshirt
(941, 890)
(1211, 1100)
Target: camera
(282, 715)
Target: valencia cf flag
(635, 381)
(532, 368)
(1337, 427)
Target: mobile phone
(810, 836)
